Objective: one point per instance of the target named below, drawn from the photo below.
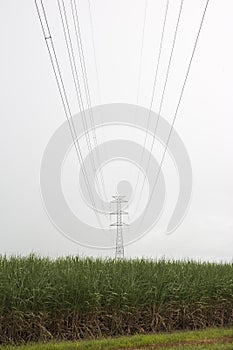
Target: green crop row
(39, 284)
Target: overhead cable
(177, 107)
(64, 98)
(78, 36)
(152, 98)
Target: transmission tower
(118, 200)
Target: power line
(140, 69)
(71, 55)
(96, 68)
(70, 49)
(141, 51)
(94, 50)
(86, 85)
(152, 97)
(162, 97)
(178, 105)
(64, 98)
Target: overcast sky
(31, 111)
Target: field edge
(213, 338)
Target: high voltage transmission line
(86, 84)
(141, 51)
(152, 97)
(87, 115)
(177, 107)
(74, 71)
(163, 92)
(94, 51)
(64, 98)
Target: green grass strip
(166, 341)
(195, 347)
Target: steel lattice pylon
(118, 200)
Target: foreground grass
(213, 339)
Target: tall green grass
(160, 294)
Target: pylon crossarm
(122, 212)
(119, 224)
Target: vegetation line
(72, 298)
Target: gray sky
(31, 111)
